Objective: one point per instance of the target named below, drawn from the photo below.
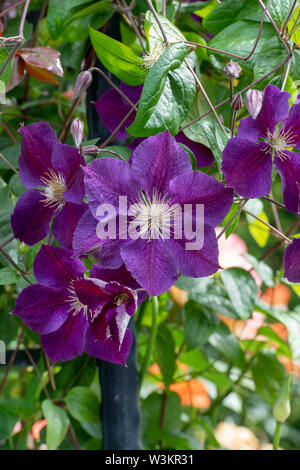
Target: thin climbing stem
(280, 234)
(151, 343)
(276, 438)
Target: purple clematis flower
(112, 108)
(159, 182)
(271, 136)
(55, 167)
(74, 314)
(292, 261)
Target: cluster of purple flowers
(75, 310)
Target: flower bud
(77, 128)
(253, 101)
(91, 150)
(83, 81)
(237, 102)
(232, 70)
(282, 407)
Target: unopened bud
(77, 128)
(91, 150)
(282, 407)
(232, 70)
(237, 102)
(83, 81)
(254, 100)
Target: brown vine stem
(233, 218)
(241, 91)
(286, 74)
(274, 202)
(158, 22)
(50, 372)
(111, 137)
(275, 213)
(280, 234)
(32, 362)
(8, 9)
(220, 51)
(11, 261)
(279, 243)
(13, 357)
(113, 85)
(8, 132)
(7, 241)
(8, 164)
(66, 126)
(134, 26)
(199, 84)
(286, 46)
(288, 18)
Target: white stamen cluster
(279, 141)
(153, 216)
(55, 188)
(150, 58)
(75, 305)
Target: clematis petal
(247, 168)
(157, 160)
(197, 263)
(43, 309)
(68, 341)
(105, 180)
(86, 241)
(275, 108)
(292, 261)
(204, 156)
(37, 144)
(68, 218)
(292, 123)
(55, 267)
(68, 161)
(121, 275)
(31, 218)
(108, 350)
(289, 170)
(151, 264)
(112, 108)
(198, 188)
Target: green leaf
(118, 58)
(7, 422)
(268, 374)
(7, 72)
(199, 324)
(57, 424)
(195, 359)
(227, 344)
(263, 270)
(153, 32)
(83, 404)
(241, 289)
(259, 231)
(279, 10)
(165, 348)
(8, 276)
(269, 333)
(234, 209)
(167, 95)
(223, 15)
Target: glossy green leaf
(199, 324)
(7, 422)
(118, 58)
(227, 344)
(167, 94)
(241, 289)
(268, 374)
(57, 424)
(165, 349)
(279, 10)
(83, 404)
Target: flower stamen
(75, 305)
(279, 141)
(55, 188)
(154, 215)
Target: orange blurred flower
(192, 393)
(37, 427)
